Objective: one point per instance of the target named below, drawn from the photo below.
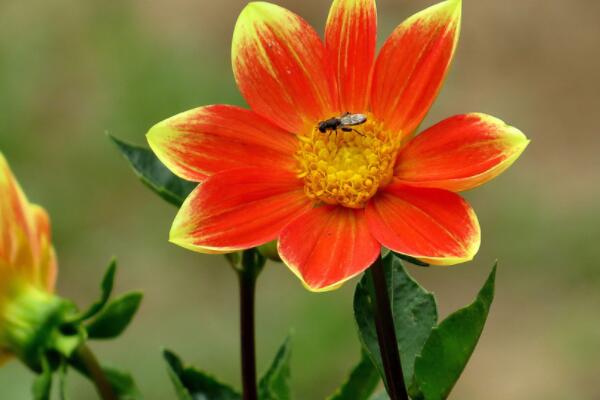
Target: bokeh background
(73, 70)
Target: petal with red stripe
(350, 40)
(327, 246)
(25, 243)
(238, 209)
(279, 65)
(412, 64)
(201, 142)
(47, 268)
(432, 225)
(460, 153)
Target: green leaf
(451, 344)
(412, 260)
(275, 384)
(154, 174)
(361, 383)
(414, 312)
(123, 384)
(106, 289)
(192, 384)
(115, 318)
(42, 385)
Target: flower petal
(327, 246)
(18, 247)
(350, 40)
(48, 268)
(25, 243)
(432, 225)
(238, 209)
(460, 153)
(279, 65)
(412, 64)
(206, 140)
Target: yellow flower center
(347, 168)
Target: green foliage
(115, 318)
(451, 344)
(154, 174)
(111, 319)
(433, 355)
(414, 310)
(123, 384)
(385, 251)
(106, 288)
(361, 383)
(411, 260)
(275, 384)
(191, 384)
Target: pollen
(347, 168)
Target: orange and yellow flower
(27, 266)
(333, 199)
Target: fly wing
(353, 119)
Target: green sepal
(269, 250)
(361, 382)
(42, 384)
(154, 174)
(115, 317)
(275, 384)
(234, 259)
(106, 288)
(252, 264)
(450, 346)
(248, 264)
(35, 322)
(67, 338)
(414, 311)
(192, 384)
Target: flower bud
(33, 321)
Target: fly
(345, 123)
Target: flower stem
(252, 263)
(386, 334)
(88, 360)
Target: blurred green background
(72, 70)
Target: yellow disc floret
(346, 168)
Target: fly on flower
(345, 123)
(270, 172)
